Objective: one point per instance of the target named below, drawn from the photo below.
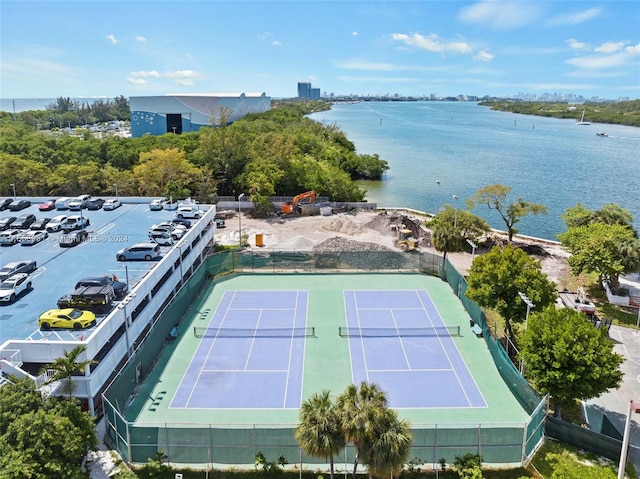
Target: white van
(63, 203)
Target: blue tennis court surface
(250, 355)
(397, 340)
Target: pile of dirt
(343, 224)
(338, 243)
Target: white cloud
(276, 43)
(633, 49)
(596, 62)
(483, 56)
(112, 38)
(141, 39)
(576, 45)
(137, 81)
(264, 36)
(575, 18)
(609, 47)
(501, 15)
(354, 34)
(182, 74)
(144, 74)
(432, 43)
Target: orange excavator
(292, 207)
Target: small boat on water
(582, 122)
(603, 134)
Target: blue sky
(110, 48)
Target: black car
(40, 224)
(119, 288)
(4, 204)
(181, 221)
(5, 222)
(95, 204)
(72, 238)
(23, 222)
(18, 205)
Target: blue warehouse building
(184, 112)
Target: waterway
(465, 147)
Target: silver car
(139, 251)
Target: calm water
(466, 146)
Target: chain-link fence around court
(213, 444)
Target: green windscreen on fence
(197, 443)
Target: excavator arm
(288, 208)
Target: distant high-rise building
(305, 91)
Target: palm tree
(361, 410)
(65, 367)
(319, 433)
(387, 451)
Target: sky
(87, 48)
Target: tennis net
(299, 332)
(351, 332)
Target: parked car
(93, 298)
(177, 231)
(66, 318)
(191, 212)
(10, 237)
(139, 251)
(30, 238)
(5, 223)
(56, 223)
(4, 204)
(73, 238)
(25, 266)
(47, 205)
(23, 222)
(63, 203)
(95, 204)
(40, 224)
(18, 205)
(220, 223)
(156, 205)
(75, 222)
(162, 237)
(14, 287)
(119, 287)
(79, 202)
(111, 204)
(181, 221)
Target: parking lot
(60, 268)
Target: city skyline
(394, 48)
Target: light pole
(115, 186)
(455, 217)
(240, 196)
(633, 407)
(437, 197)
(473, 248)
(14, 190)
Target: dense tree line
(278, 152)
(620, 113)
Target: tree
(42, 438)
(605, 249)
(387, 450)
(158, 168)
(602, 242)
(567, 357)
(361, 410)
(496, 278)
(495, 197)
(319, 433)
(450, 229)
(65, 367)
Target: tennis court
(253, 347)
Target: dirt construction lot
(362, 230)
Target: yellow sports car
(66, 318)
